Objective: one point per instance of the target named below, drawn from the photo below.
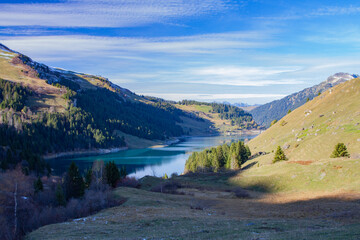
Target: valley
(205, 186)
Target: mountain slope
(66, 111)
(266, 113)
(311, 131)
(44, 110)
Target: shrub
(279, 155)
(340, 151)
(273, 122)
(240, 192)
(283, 123)
(129, 182)
(167, 187)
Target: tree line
(221, 157)
(238, 116)
(28, 202)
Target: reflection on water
(150, 161)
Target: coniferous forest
(237, 115)
(92, 123)
(222, 157)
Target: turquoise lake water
(150, 161)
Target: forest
(92, 123)
(221, 157)
(238, 116)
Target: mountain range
(277, 109)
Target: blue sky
(210, 50)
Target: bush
(273, 122)
(240, 192)
(340, 151)
(279, 155)
(129, 182)
(167, 187)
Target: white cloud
(336, 10)
(110, 13)
(84, 45)
(209, 97)
(244, 76)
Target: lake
(150, 161)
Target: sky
(251, 51)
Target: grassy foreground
(208, 210)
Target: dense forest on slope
(224, 156)
(27, 136)
(150, 121)
(238, 116)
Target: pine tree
(279, 155)
(112, 173)
(60, 198)
(38, 185)
(74, 183)
(340, 151)
(123, 172)
(88, 178)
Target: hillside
(311, 131)
(277, 109)
(68, 111)
(223, 117)
(310, 196)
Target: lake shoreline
(169, 142)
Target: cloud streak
(110, 13)
(207, 97)
(83, 45)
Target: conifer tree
(60, 198)
(279, 155)
(74, 183)
(112, 173)
(38, 185)
(88, 178)
(340, 151)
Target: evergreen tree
(340, 151)
(220, 156)
(88, 177)
(123, 172)
(38, 185)
(60, 198)
(279, 155)
(112, 173)
(74, 183)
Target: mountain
(277, 109)
(246, 107)
(67, 111)
(311, 131)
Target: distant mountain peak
(340, 77)
(277, 109)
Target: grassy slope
(211, 214)
(309, 168)
(205, 112)
(48, 95)
(334, 118)
(308, 197)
